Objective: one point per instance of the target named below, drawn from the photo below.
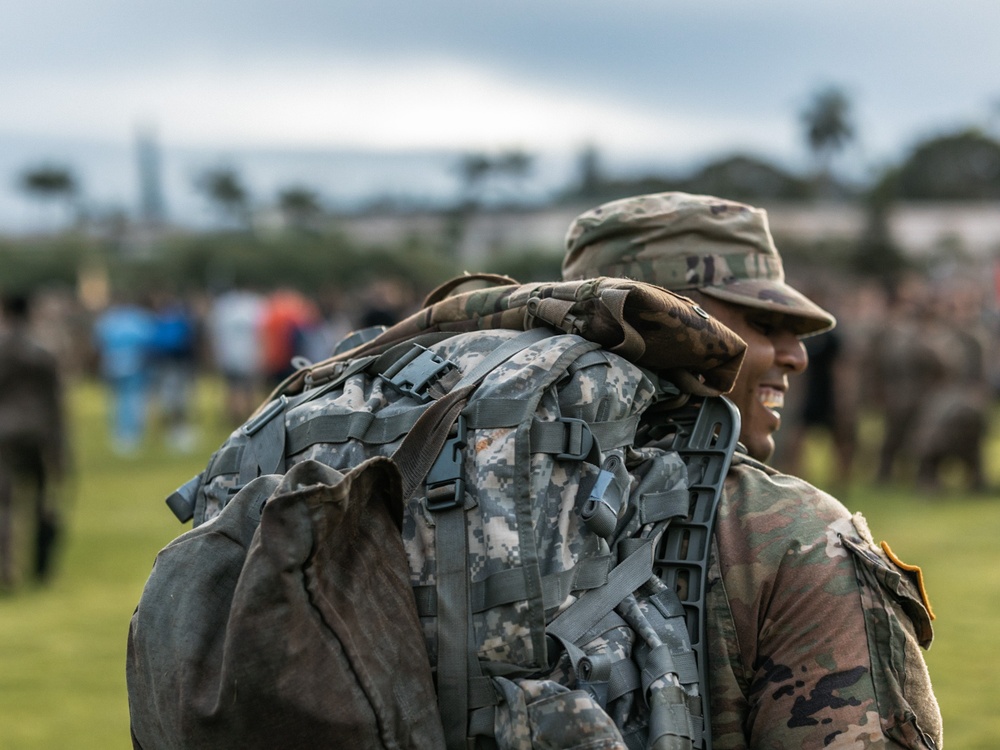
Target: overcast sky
(655, 82)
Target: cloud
(429, 103)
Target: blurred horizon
(366, 101)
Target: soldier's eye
(764, 327)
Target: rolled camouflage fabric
(681, 242)
(647, 325)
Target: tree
(476, 170)
(473, 169)
(746, 178)
(223, 186)
(957, 166)
(828, 128)
(514, 164)
(52, 183)
(591, 172)
(300, 207)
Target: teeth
(772, 399)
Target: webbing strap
(545, 436)
(455, 661)
(664, 660)
(615, 434)
(453, 622)
(589, 359)
(226, 461)
(624, 679)
(264, 451)
(358, 425)
(497, 412)
(593, 605)
(553, 437)
(502, 353)
(671, 717)
(659, 506)
(508, 586)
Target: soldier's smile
(773, 352)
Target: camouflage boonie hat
(679, 241)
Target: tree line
(960, 165)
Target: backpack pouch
(316, 639)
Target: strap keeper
(579, 439)
(257, 423)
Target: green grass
(62, 647)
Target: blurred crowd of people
(923, 359)
(920, 361)
(150, 352)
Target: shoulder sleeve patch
(916, 574)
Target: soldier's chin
(759, 446)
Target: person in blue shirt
(124, 334)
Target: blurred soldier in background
(954, 421)
(807, 644)
(33, 447)
(905, 370)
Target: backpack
(555, 499)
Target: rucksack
(556, 497)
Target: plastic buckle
(578, 436)
(414, 372)
(445, 485)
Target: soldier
(32, 446)
(813, 629)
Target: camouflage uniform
(32, 446)
(813, 630)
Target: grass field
(62, 647)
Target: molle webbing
(551, 431)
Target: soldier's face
(773, 352)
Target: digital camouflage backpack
(557, 452)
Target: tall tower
(152, 211)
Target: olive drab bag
(487, 526)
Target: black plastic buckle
(445, 484)
(579, 439)
(415, 371)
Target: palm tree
(473, 169)
(51, 182)
(828, 128)
(516, 165)
(300, 206)
(223, 186)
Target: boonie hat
(680, 241)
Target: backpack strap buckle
(445, 483)
(413, 373)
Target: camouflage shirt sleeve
(814, 633)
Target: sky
(355, 99)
